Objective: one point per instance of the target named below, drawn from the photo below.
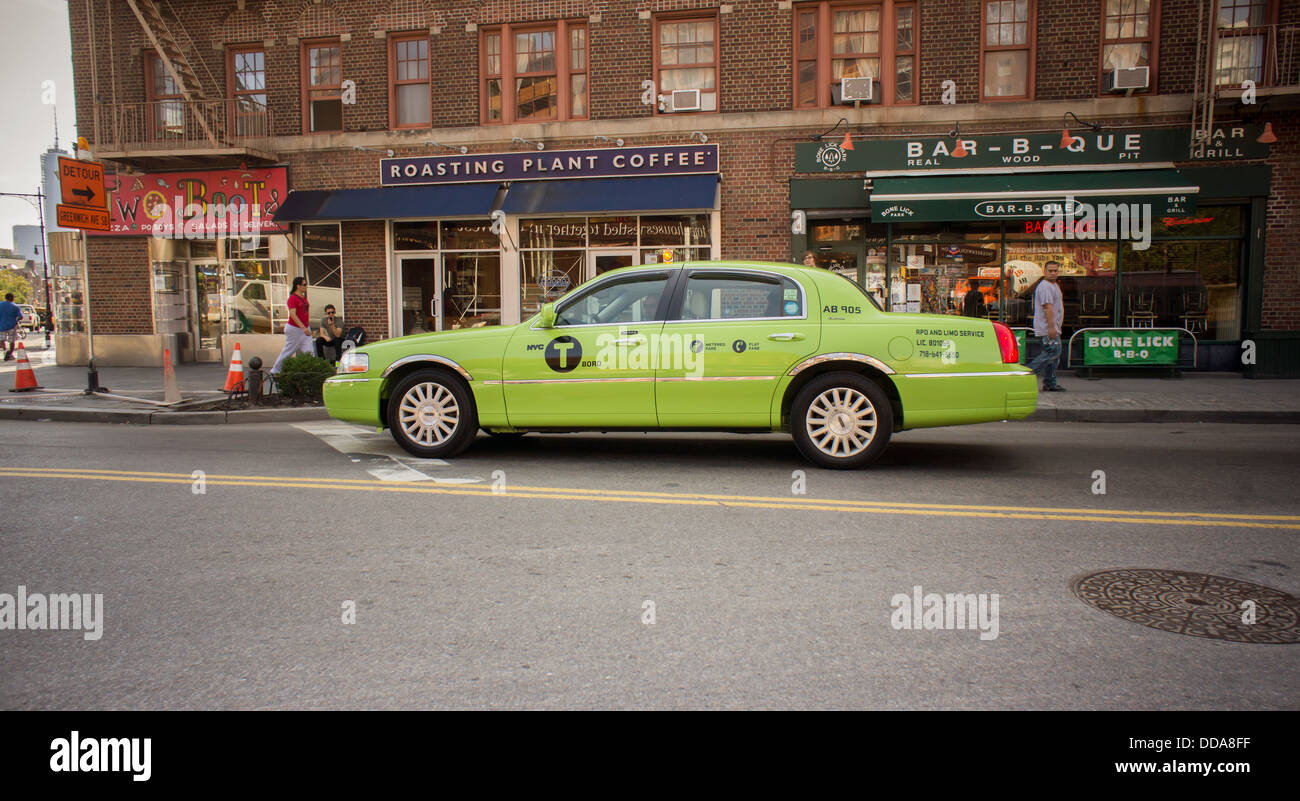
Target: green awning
(1028, 196)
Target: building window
(540, 76)
(1007, 54)
(322, 264)
(247, 70)
(408, 70)
(166, 104)
(322, 87)
(1244, 35)
(686, 57)
(1128, 37)
(838, 41)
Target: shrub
(301, 376)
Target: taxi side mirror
(548, 316)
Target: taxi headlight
(354, 362)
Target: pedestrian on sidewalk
(297, 333)
(10, 314)
(1049, 314)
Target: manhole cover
(1194, 603)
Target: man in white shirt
(1049, 313)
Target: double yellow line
(1141, 517)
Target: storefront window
(469, 236)
(548, 274)
(259, 287)
(1192, 285)
(471, 291)
(560, 253)
(322, 264)
(415, 235)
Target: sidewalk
(1194, 398)
(61, 398)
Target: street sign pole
(45, 264)
(84, 206)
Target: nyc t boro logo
(830, 156)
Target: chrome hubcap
(841, 422)
(429, 414)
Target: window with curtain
(409, 71)
(1007, 52)
(686, 55)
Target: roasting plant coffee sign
(531, 165)
(198, 202)
(995, 152)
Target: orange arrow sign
(82, 183)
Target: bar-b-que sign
(538, 164)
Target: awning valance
(388, 203)
(594, 195)
(1027, 196)
(664, 193)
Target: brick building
(431, 164)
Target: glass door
(207, 311)
(600, 261)
(421, 300)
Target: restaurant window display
(1087, 279)
(932, 271)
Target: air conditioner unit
(684, 100)
(855, 89)
(1130, 78)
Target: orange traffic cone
(25, 378)
(235, 377)
(171, 392)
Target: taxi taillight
(1007, 344)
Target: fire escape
(188, 125)
(1240, 55)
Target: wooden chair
(1195, 317)
(1094, 310)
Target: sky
(37, 49)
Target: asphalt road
(535, 595)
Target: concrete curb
(1242, 416)
(146, 417)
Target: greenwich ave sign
(995, 152)
(609, 162)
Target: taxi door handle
(629, 341)
(785, 337)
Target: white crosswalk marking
(386, 460)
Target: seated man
(330, 335)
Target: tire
(841, 421)
(441, 417)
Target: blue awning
(660, 193)
(388, 203)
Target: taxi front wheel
(432, 414)
(841, 421)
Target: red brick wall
(120, 300)
(1282, 239)
(365, 283)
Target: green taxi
(704, 346)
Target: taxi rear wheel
(841, 421)
(432, 415)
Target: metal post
(92, 375)
(45, 264)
